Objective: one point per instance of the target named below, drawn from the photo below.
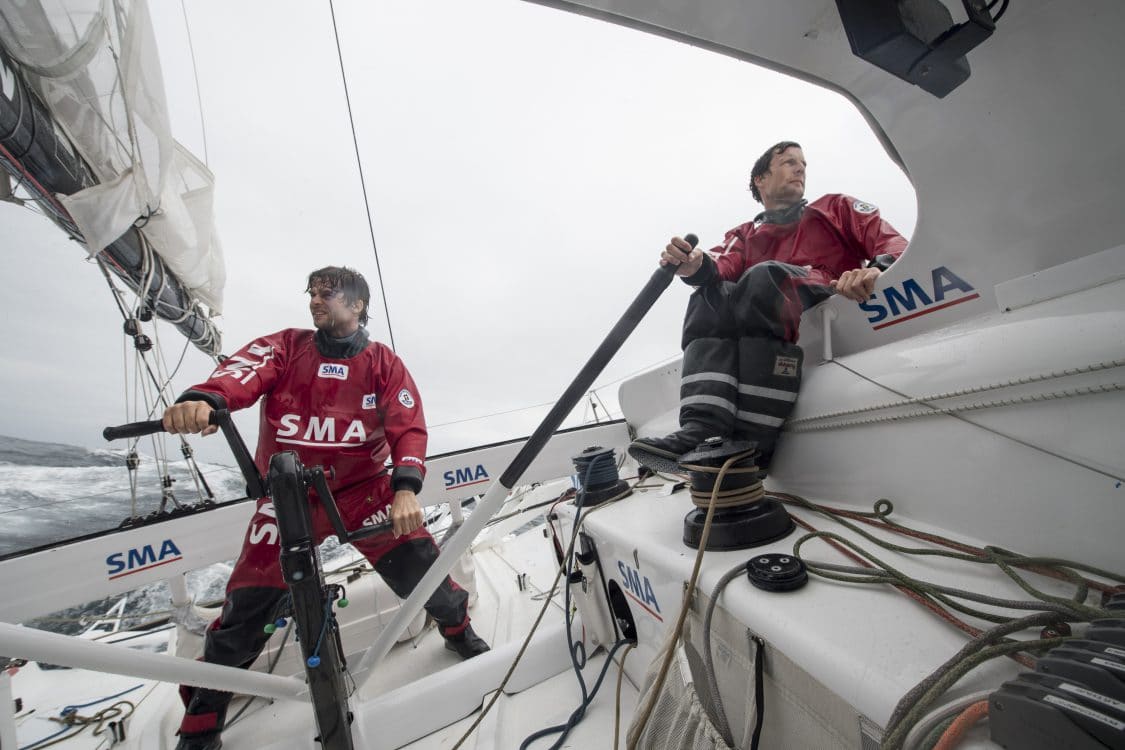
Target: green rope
(871, 575)
(882, 511)
(884, 571)
(894, 740)
(934, 735)
(916, 702)
(990, 644)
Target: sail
(103, 158)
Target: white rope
(1034, 398)
(963, 392)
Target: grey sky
(524, 167)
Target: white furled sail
(93, 64)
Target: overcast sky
(524, 168)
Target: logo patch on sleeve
(406, 399)
(785, 366)
(864, 208)
(369, 400)
(329, 370)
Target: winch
(745, 516)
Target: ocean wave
(22, 452)
(43, 504)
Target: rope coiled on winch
(743, 478)
(597, 467)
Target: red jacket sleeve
(868, 230)
(403, 421)
(243, 377)
(730, 257)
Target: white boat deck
(422, 696)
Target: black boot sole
(655, 458)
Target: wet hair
(348, 282)
(762, 166)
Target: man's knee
(764, 299)
(766, 279)
(404, 565)
(708, 314)
(238, 636)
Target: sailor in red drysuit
(742, 367)
(345, 403)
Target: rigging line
(592, 391)
(162, 383)
(996, 432)
(198, 94)
(646, 368)
(1053, 375)
(362, 181)
(494, 414)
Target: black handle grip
(691, 239)
(149, 427)
(365, 531)
(133, 429)
(656, 285)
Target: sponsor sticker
(864, 208)
(330, 370)
(406, 399)
(369, 401)
(786, 366)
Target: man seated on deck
(343, 402)
(742, 365)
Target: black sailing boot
(466, 644)
(708, 395)
(769, 375)
(207, 741)
(204, 720)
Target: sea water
(50, 493)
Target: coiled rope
(1052, 611)
(70, 718)
(746, 487)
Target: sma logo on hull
(639, 588)
(912, 299)
(465, 476)
(136, 559)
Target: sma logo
(135, 560)
(465, 476)
(329, 370)
(912, 299)
(639, 588)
